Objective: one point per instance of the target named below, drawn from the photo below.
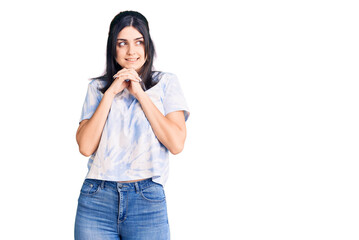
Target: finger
(133, 80)
(117, 75)
(129, 76)
(123, 70)
(137, 79)
(125, 76)
(135, 73)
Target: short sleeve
(92, 100)
(174, 99)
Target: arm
(89, 132)
(170, 129)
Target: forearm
(88, 136)
(170, 134)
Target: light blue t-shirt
(128, 148)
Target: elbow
(177, 144)
(85, 148)
(176, 149)
(85, 151)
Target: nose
(131, 49)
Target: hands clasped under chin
(126, 78)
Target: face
(130, 49)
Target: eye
(139, 42)
(121, 44)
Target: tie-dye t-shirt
(128, 148)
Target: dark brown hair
(120, 21)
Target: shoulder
(97, 83)
(169, 76)
(159, 75)
(162, 79)
(165, 78)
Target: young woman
(132, 116)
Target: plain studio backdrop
(272, 144)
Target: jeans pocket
(154, 193)
(90, 187)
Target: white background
(272, 145)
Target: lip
(131, 59)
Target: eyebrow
(122, 39)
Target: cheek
(142, 52)
(119, 53)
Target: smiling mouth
(131, 59)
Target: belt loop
(103, 184)
(137, 187)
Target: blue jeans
(128, 211)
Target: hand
(121, 81)
(134, 86)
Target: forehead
(129, 33)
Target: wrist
(109, 93)
(140, 95)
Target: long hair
(120, 21)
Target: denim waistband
(124, 186)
